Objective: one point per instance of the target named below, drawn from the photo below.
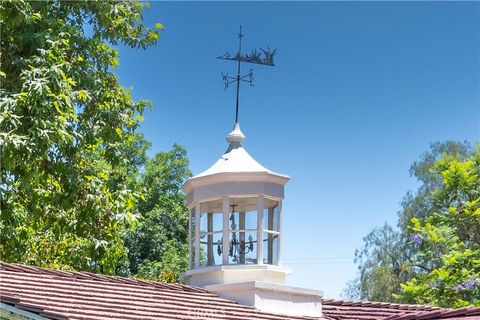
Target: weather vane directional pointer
(264, 57)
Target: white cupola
(235, 234)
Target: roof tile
(61, 295)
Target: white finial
(236, 136)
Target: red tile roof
(63, 295)
(366, 310)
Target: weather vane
(263, 56)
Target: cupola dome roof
(235, 158)
(235, 165)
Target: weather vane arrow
(263, 57)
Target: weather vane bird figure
(263, 57)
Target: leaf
(71, 157)
(36, 16)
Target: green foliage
(173, 261)
(67, 132)
(433, 258)
(420, 204)
(158, 247)
(383, 265)
(449, 245)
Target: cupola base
(236, 273)
(272, 298)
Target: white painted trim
(242, 286)
(279, 247)
(271, 177)
(235, 188)
(239, 196)
(197, 236)
(190, 238)
(225, 245)
(271, 231)
(209, 233)
(270, 297)
(260, 208)
(239, 267)
(20, 312)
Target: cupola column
(197, 236)
(279, 251)
(260, 206)
(226, 217)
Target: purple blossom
(470, 284)
(458, 288)
(466, 285)
(417, 239)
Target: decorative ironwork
(229, 79)
(266, 57)
(263, 57)
(236, 246)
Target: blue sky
(359, 91)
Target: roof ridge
(376, 304)
(85, 275)
(407, 311)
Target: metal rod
(240, 35)
(255, 57)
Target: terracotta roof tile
(60, 294)
(81, 295)
(367, 310)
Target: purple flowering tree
(448, 241)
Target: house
(36, 293)
(235, 230)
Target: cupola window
(243, 231)
(271, 234)
(248, 219)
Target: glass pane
(203, 253)
(203, 222)
(242, 247)
(211, 245)
(211, 221)
(217, 248)
(270, 218)
(217, 221)
(270, 248)
(251, 220)
(243, 220)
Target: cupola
(235, 234)
(235, 208)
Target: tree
(383, 265)
(388, 258)
(448, 240)
(420, 204)
(68, 132)
(158, 247)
